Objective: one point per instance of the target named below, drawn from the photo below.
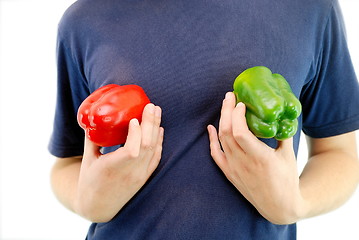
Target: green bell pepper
(272, 108)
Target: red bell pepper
(106, 113)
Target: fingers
(144, 139)
(152, 136)
(158, 152)
(234, 133)
(241, 133)
(133, 140)
(150, 127)
(215, 147)
(225, 124)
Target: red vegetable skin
(106, 113)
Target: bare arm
(64, 180)
(331, 174)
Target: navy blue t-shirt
(186, 54)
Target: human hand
(266, 177)
(108, 181)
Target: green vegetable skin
(271, 107)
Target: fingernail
(151, 108)
(228, 94)
(134, 122)
(209, 128)
(240, 104)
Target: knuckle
(238, 136)
(224, 133)
(214, 154)
(147, 146)
(225, 129)
(131, 153)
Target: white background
(28, 209)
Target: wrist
(91, 209)
(284, 214)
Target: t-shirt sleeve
(331, 98)
(67, 137)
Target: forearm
(328, 180)
(64, 180)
